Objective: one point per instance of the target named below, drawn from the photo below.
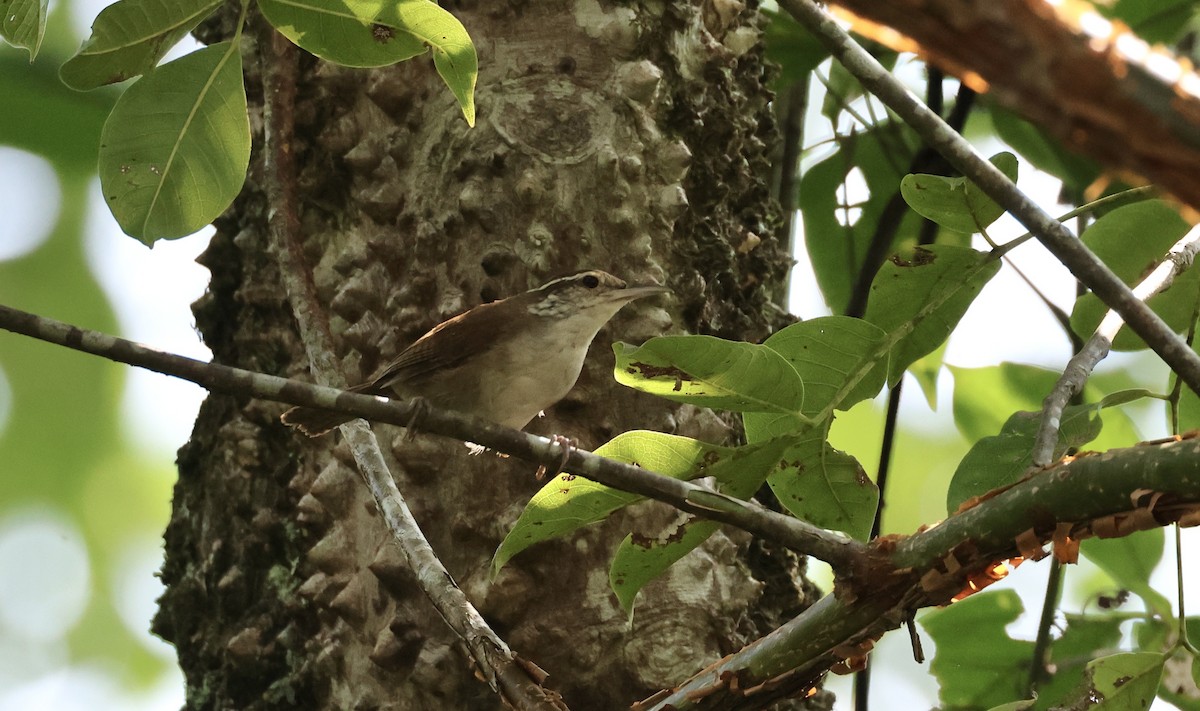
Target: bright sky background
(151, 291)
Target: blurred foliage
(61, 448)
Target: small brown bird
(505, 361)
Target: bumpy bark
(628, 138)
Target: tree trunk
(632, 139)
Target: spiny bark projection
(624, 138)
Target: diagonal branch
(1126, 490)
(843, 554)
(1080, 367)
(1086, 267)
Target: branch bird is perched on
(505, 361)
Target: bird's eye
(591, 281)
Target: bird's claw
(420, 409)
(567, 446)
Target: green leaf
(842, 88)
(838, 358)
(1085, 638)
(174, 151)
(569, 502)
(711, 372)
(977, 664)
(640, 558)
(956, 203)
(793, 48)
(826, 487)
(1129, 561)
(926, 370)
(1043, 151)
(919, 296)
(984, 397)
(1121, 682)
(23, 23)
(129, 37)
(1158, 22)
(369, 33)
(1001, 460)
(1131, 240)
(838, 236)
(1181, 672)
(1023, 705)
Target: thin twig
(958, 152)
(1038, 665)
(1081, 365)
(843, 554)
(496, 662)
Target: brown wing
(448, 344)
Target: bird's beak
(636, 292)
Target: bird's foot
(568, 446)
(420, 409)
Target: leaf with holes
(824, 486)
(738, 472)
(1129, 561)
(174, 151)
(1120, 682)
(839, 235)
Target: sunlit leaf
(838, 358)
(129, 37)
(174, 151)
(711, 372)
(569, 502)
(369, 33)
